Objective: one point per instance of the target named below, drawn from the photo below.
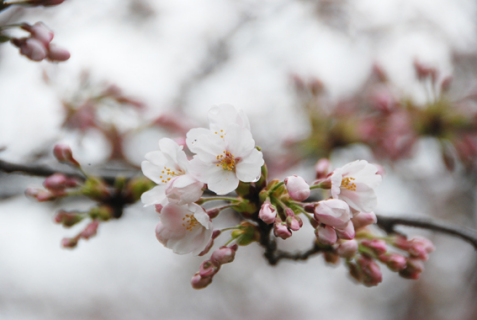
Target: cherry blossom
(223, 161)
(169, 168)
(355, 183)
(184, 228)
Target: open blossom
(222, 161)
(220, 118)
(355, 183)
(185, 228)
(169, 168)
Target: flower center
(348, 184)
(168, 174)
(226, 160)
(190, 222)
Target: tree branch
(388, 224)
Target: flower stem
(203, 200)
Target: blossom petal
(152, 172)
(249, 169)
(223, 115)
(156, 195)
(363, 199)
(222, 181)
(239, 141)
(193, 135)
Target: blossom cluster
(225, 160)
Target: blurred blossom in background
(141, 70)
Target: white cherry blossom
(355, 183)
(220, 118)
(184, 228)
(223, 161)
(169, 168)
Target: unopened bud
(199, 282)
(394, 261)
(215, 234)
(297, 188)
(347, 232)
(56, 53)
(59, 181)
(90, 230)
(377, 245)
(326, 235)
(42, 195)
(280, 229)
(413, 269)
(64, 154)
(333, 212)
(322, 168)
(158, 207)
(68, 219)
(347, 248)
(420, 247)
(223, 255)
(363, 219)
(293, 222)
(208, 268)
(268, 212)
(69, 243)
(372, 275)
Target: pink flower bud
(90, 230)
(69, 243)
(346, 232)
(377, 245)
(394, 261)
(363, 219)
(31, 48)
(213, 213)
(293, 222)
(280, 229)
(42, 195)
(297, 188)
(268, 212)
(420, 247)
(56, 53)
(208, 268)
(371, 273)
(413, 269)
(64, 154)
(347, 248)
(333, 212)
(326, 235)
(223, 255)
(42, 33)
(59, 181)
(322, 168)
(199, 282)
(68, 219)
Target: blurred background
(361, 79)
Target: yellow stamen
(346, 183)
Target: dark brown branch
(389, 223)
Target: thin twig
(389, 223)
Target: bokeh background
(181, 57)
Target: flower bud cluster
(209, 268)
(37, 46)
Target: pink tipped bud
(413, 269)
(363, 219)
(371, 273)
(199, 282)
(280, 229)
(64, 154)
(208, 247)
(32, 48)
(394, 261)
(420, 247)
(67, 219)
(322, 168)
(333, 212)
(223, 255)
(42, 195)
(56, 53)
(90, 230)
(347, 232)
(268, 212)
(59, 181)
(293, 222)
(326, 235)
(377, 245)
(213, 213)
(297, 188)
(208, 268)
(42, 33)
(69, 243)
(347, 248)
